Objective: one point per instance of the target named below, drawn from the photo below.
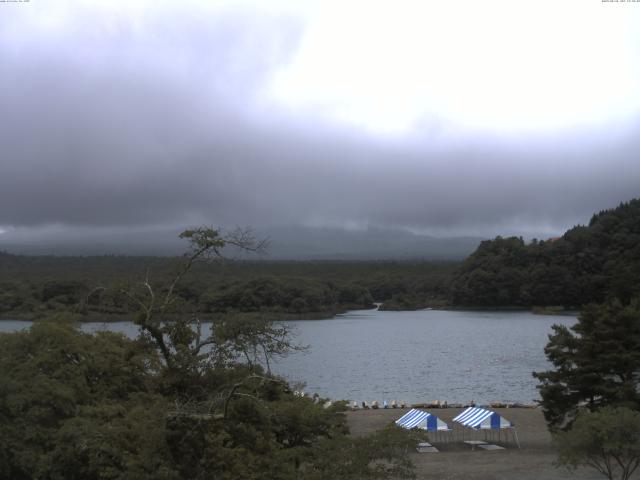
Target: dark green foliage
(175, 403)
(381, 455)
(492, 275)
(95, 285)
(112, 441)
(290, 295)
(80, 406)
(11, 298)
(410, 286)
(587, 264)
(596, 363)
(53, 375)
(65, 291)
(409, 301)
(607, 440)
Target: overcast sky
(447, 118)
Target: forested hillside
(587, 264)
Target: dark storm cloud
(129, 128)
(164, 126)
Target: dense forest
(37, 286)
(587, 264)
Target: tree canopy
(587, 264)
(596, 363)
(607, 440)
(175, 403)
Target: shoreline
(287, 316)
(284, 317)
(95, 317)
(438, 405)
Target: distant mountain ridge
(286, 243)
(304, 243)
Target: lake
(457, 356)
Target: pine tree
(596, 363)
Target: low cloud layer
(162, 119)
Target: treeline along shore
(587, 264)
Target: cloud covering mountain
(160, 115)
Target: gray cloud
(126, 127)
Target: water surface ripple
(421, 356)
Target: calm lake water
(413, 356)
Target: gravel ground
(456, 460)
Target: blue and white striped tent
(415, 418)
(486, 420)
(482, 419)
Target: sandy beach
(456, 460)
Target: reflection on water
(413, 356)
